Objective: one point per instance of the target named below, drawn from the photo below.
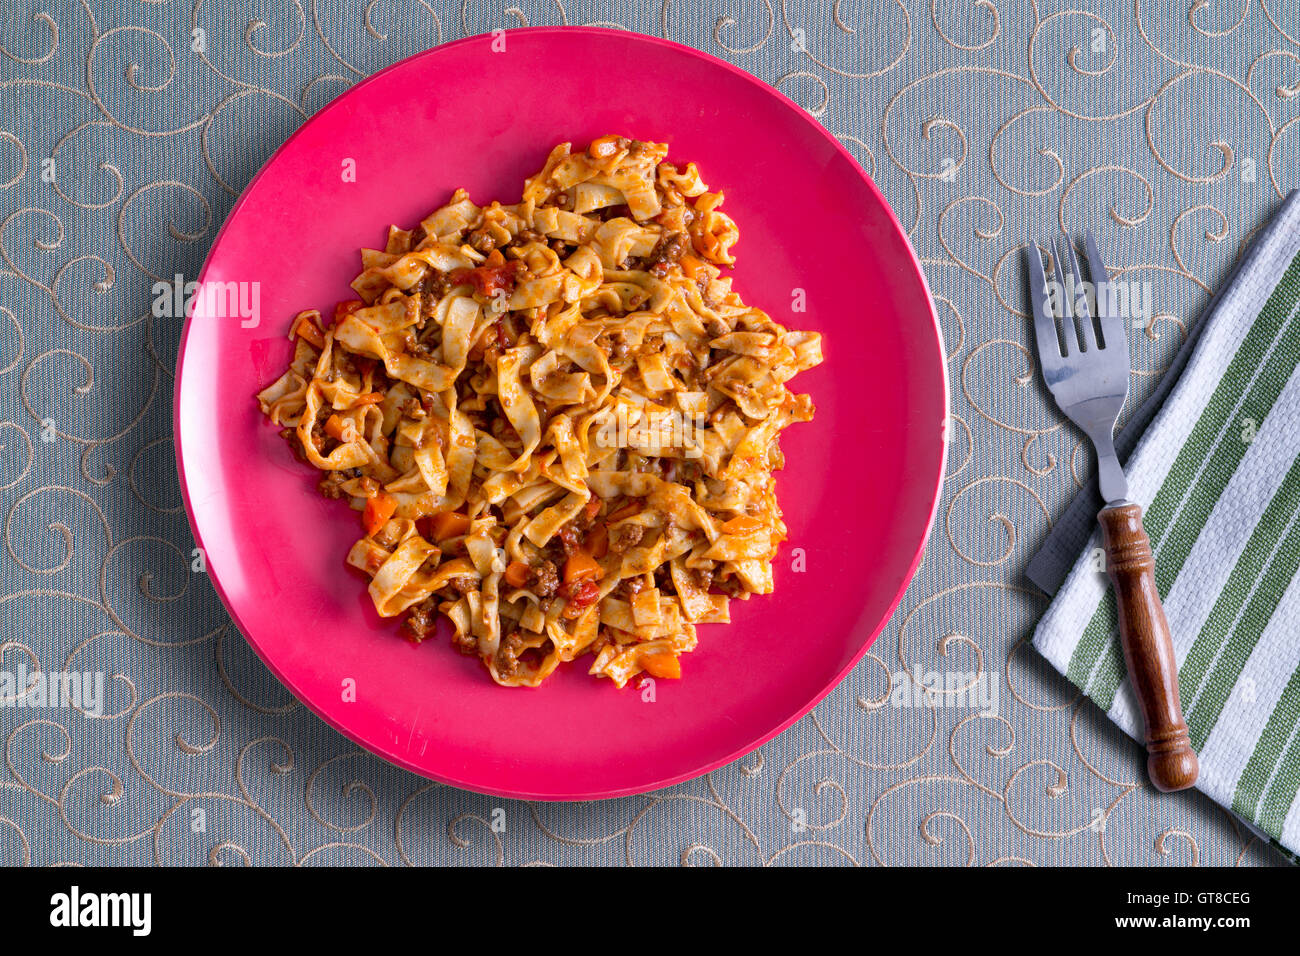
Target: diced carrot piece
(598, 541)
(334, 427)
(741, 524)
(378, 510)
(590, 508)
(307, 329)
(448, 524)
(517, 574)
(690, 265)
(579, 566)
(661, 664)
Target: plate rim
(450, 779)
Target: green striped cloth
(1218, 474)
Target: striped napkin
(1218, 474)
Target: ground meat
(422, 620)
(509, 651)
(544, 579)
(465, 643)
(463, 584)
(631, 587)
(702, 578)
(569, 539)
(329, 486)
(730, 586)
(437, 283)
(667, 252)
(424, 301)
(482, 240)
(625, 536)
(414, 345)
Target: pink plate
(861, 482)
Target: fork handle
(1148, 649)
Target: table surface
(127, 129)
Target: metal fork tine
(1049, 345)
(1069, 340)
(1080, 322)
(1112, 326)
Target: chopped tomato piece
(489, 278)
(582, 595)
(307, 329)
(579, 566)
(517, 574)
(661, 664)
(590, 508)
(741, 524)
(444, 525)
(343, 309)
(378, 510)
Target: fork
(1086, 367)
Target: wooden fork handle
(1148, 649)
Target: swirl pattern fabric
(1170, 127)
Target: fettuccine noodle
(557, 419)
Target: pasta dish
(558, 422)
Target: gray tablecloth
(126, 131)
